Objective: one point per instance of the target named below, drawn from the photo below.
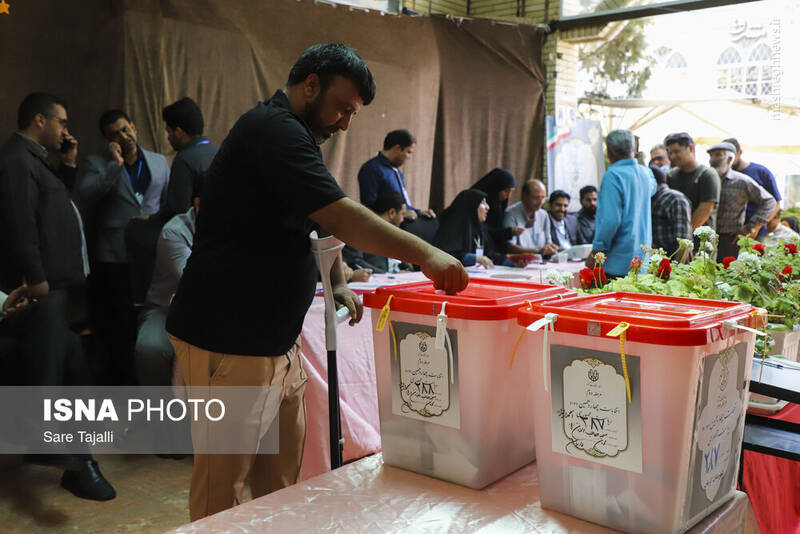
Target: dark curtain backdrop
(470, 92)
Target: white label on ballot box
(717, 430)
(592, 418)
(423, 374)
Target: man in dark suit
(40, 230)
(43, 258)
(563, 226)
(127, 183)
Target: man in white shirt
(528, 214)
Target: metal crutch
(326, 250)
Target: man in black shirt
(237, 314)
(194, 155)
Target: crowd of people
(116, 248)
(653, 205)
(175, 264)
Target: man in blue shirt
(623, 208)
(761, 175)
(383, 172)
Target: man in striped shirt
(672, 215)
(737, 190)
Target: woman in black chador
(463, 231)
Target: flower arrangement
(594, 278)
(764, 276)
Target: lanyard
(138, 172)
(204, 142)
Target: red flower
(636, 264)
(726, 261)
(664, 269)
(759, 247)
(790, 248)
(600, 276)
(587, 277)
(787, 271)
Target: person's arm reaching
(767, 207)
(701, 214)
(362, 229)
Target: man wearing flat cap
(736, 191)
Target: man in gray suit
(124, 184)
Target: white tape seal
(443, 339)
(547, 322)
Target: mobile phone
(66, 146)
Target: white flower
(708, 246)
(655, 261)
(725, 288)
(747, 262)
(703, 255)
(705, 233)
(553, 276)
(566, 279)
(685, 243)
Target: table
(369, 497)
(771, 457)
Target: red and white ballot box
(639, 405)
(451, 406)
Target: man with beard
(585, 215)
(736, 192)
(237, 314)
(762, 175)
(124, 184)
(563, 225)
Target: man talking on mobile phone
(41, 232)
(43, 259)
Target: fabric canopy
(471, 92)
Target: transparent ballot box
(639, 404)
(451, 406)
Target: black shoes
(88, 483)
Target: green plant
(622, 60)
(765, 276)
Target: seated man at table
(390, 207)
(563, 226)
(586, 215)
(528, 214)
